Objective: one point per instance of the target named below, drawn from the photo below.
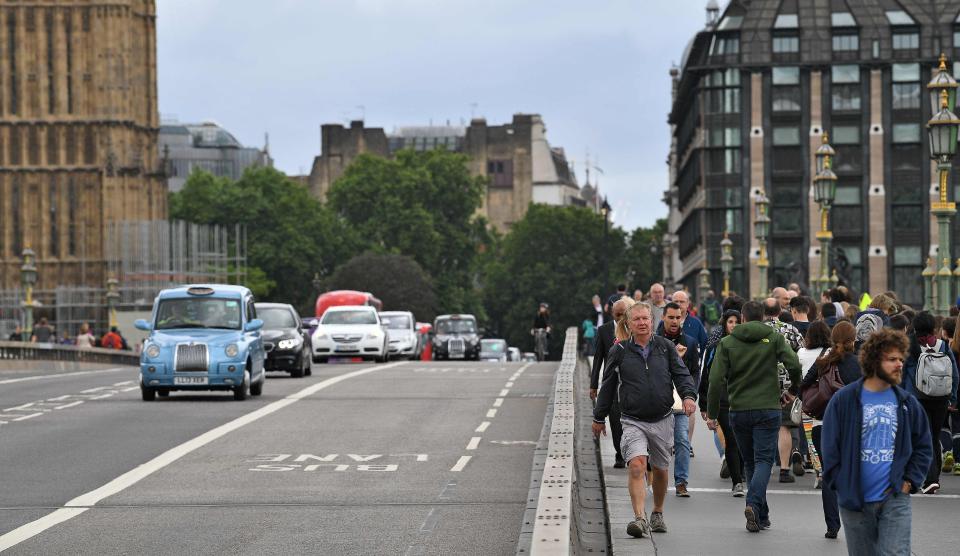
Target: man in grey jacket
(643, 372)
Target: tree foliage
(397, 280)
(290, 235)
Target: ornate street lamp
(112, 297)
(824, 193)
(942, 129)
(761, 228)
(704, 286)
(28, 278)
(726, 262)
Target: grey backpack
(934, 372)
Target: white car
(350, 331)
(403, 338)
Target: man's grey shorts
(654, 440)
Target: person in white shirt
(85, 339)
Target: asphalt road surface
(402, 458)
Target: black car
(456, 337)
(286, 342)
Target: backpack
(711, 312)
(934, 378)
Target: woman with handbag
(832, 371)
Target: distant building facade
(206, 146)
(522, 166)
(755, 91)
(78, 133)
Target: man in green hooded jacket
(746, 363)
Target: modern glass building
(756, 90)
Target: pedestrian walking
(607, 336)
(643, 373)
(731, 466)
(951, 456)
(710, 312)
(788, 441)
(689, 352)
(85, 339)
(840, 362)
(876, 450)
(930, 374)
(746, 364)
(658, 301)
(43, 332)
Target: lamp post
(761, 228)
(28, 277)
(824, 193)
(726, 262)
(704, 286)
(605, 212)
(112, 297)
(942, 129)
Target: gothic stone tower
(78, 132)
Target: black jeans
(936, 413)
(731, 449)
(831, 508)
(616, 428)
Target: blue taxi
(202, 337)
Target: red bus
(345, 297)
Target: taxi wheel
(256, 388)
(240, 392)
(148, 394)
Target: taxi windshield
(194, 312)
(458, 326)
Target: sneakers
(796, 464)
(948, 462)
(831, 534)
(619, 463)
(932, 488)
(752, 524)
(738, 490)
(724, 469)
(786, 477)
(819, 484)
(656, 523)
(764, 523)
(682, 491)
(956, 469)
(639, 527)
(691, 451)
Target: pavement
(711, 521)
(403, 458)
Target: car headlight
(373, 336)
(232, 350)
(321, 337)
(153, 350)
(289, 344)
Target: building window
(723, 46)
(723, 161)
(906, 193)
(845, 135)
(787, 76)
(847, 73)
(16, 204)
(787, 220)
(906, 96)
(846, 43)
(500, 172)
(783, 136)
(908, 218)
(54, 221)
(722, 90)
(847, 196)
(907, 255)
(786, 21)
(724, 137)
(842, 19)
(72, 218)
(845, 97)
(956, 44)
(906, 41)
(786, 44)
(906, 133)
(786, 99)
(12, 42)
(906, 72)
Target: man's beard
(886, 377)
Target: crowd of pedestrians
(862, 394)
(45, 333)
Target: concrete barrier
(26, 351)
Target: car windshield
(396, 322)
(491, 345)
(275, 318)
(198, 312)
(458, 326)
(349, 317)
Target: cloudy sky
(597, 72)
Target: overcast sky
(596, 71)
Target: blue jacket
(840, 454)
(910, 372)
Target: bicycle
(540, 343)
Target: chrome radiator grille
(192, 357)
(456, 346)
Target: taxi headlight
(153, 350)
(232, 350)
(289, 344)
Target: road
(402, 458)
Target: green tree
(397, 280)
(421, 204)
(554, 255)
(290, 235)
(644, 267)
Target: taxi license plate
(456, 356)
(190, 380)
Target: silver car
(493, 350)
(401, 333)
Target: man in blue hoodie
(876, 450)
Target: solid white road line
(491, 413)
(474, 442)
(62, 375)
(483, 426)
(83, 502)
(461, 463)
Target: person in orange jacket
(112, 339)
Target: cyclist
(541, 322)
